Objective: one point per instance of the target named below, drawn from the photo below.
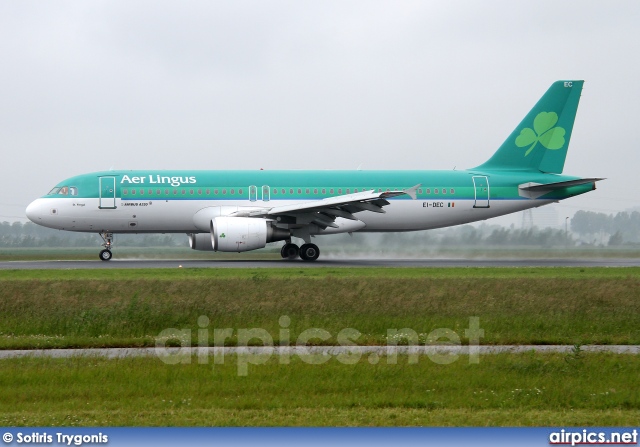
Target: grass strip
(63, 309)
(509, 390)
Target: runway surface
(355, 262)
(317, 350)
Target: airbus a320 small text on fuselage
(237, 211)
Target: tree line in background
(621, 228)
(587, 228)
(27, 235)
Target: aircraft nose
(34, 211)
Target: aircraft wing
(324, 212)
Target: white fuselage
(177, 216)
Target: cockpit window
(64, 191)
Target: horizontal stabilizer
(535, 190)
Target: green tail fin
(540, 141)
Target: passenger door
(481, 187)
(107, 187)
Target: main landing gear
(308, 252)
(106, 255)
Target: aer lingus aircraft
(236, 211)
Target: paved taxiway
(356, 262)
(317, 350)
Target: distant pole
(566, 228)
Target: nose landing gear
(106, 255)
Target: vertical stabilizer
(540, 141)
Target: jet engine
(237, 234)
(200, 241)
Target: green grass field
(118, 308)
(514, 390)
(101, 308)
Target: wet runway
(336, 262)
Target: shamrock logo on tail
(542, 132)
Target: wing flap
(332, 202)
(339, 206)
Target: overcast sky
(93, 85)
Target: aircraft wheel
(309, 252)
(289, 251)
(105, 255)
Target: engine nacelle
(244, 233)
(200, 241)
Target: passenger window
(283, 191)
(453, 191)
(125, 192)
(224, 192)
(158, 192)
(184, 191)
(208, 191)
(191, 191)
(175, 192)
(444, 191)
(240, 191)
(315, 191)
(324, 191)
(435, 191)
(151, 192)
(339, 190)
(199, 192)
(355, 190)
(428, 190)
(331, 191)
(133, 192)
(233, 191)
(299, 191)
(215, 191)
(166, 192)
(291, 191)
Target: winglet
(412, 192)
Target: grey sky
(86, 86)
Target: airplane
(238, 211)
